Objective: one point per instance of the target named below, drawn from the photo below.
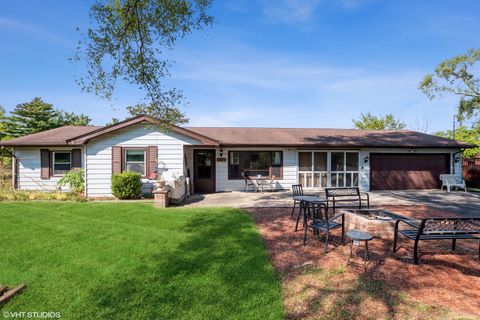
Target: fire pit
(379, 222)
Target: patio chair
(249, 182)
(316, 218)
(270, 184)
(297, 191)
(450, 181)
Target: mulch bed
(319, 285)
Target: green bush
(75, 179)
(126, 185)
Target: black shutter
(116, 159)
(45, 161)
(76, 159)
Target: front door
(204, 171)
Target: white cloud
(36, 31)
(250, 87)
(289, 11)
(299, 12)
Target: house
(215, 159)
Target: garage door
(407, 171)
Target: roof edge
(139, 119)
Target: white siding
(29, 170)
(99, 154)
(289, 170)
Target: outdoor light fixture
(457, 159)
(366, 159)
(221, 152)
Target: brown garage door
(407, 171)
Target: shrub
(75, 179)
(28, 195)
(126, 185)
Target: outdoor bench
(450, 181)
(438, 229)
(351, 195)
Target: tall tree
(372, 122)
(2, 123)
(71, 119)
(127, 42)
(166, 116)
(458, 76)
(465, 134)
(37, 115)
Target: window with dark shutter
(116, 159)
(152, 162)
(76, 159)
(44, 164)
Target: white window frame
(144, 162)
(53, 162)
(329, 172)
(312, 171)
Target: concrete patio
(456, 202)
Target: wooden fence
(471, 171)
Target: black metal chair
(297, 191)
(316, 218)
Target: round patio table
(355, 237)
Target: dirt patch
(445, 285)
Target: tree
(37, 115)
(465, 134)
(2, 123)
(113, 121)
(387, 122)
(72, 119)
(166, 115)
(127, 43)
(458, 76)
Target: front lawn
(131, 261)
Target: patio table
(306, 201)
(260, 182)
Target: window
(320, 169)
(135, 161)
(255, 163)
(344, 169)
(62, 162)
(313, 169)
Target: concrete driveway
(455, 201)
(460, 202)
(464, 203)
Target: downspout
(85, 170)
(15, 166)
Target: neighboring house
(216, 158)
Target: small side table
(356, 236)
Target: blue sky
(273, 63)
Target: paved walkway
(458, 202)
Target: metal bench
(450, 181)
(438, 229)
(351, 195)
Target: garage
(407, 171)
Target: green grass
(131, 261)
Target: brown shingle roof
(328, 138)
(53, 137)
(251, 137)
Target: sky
(268, 63)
